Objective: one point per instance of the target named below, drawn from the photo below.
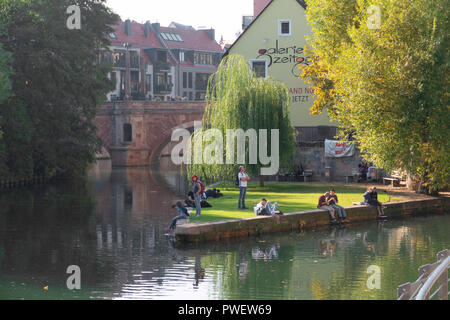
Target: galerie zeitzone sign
(294, 58)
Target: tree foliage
(388, 86)
(236, 99)
(57, 84)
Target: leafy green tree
(387, 86)
(236, 99)
(5, 93)
(57, 82)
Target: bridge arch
(166, 138)
(152, 124)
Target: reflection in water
(112, 227)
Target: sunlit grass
(290, 198)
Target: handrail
(434, 276)
(429, 275)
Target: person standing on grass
(197, 190)
(323, 204)
(333, 202)
(243, 178)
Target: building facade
(151, 62)
(274, 45)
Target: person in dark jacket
(190, 201)
(371, 198)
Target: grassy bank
(290, 198)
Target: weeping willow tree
(237, 99)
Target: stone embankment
(297, 221)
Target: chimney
(211, 33)
(128, 27)
(258, 6)
(157, 27)
(147, 29)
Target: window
(127, 132)
(119, 58)
(284, 28)
(184, 80)
(171, 36)
(113, 36)
(182, 56)
(190, 80)
(148, 82)
(134, 82)
(259, 67)
(161, 56)
(201, 81)
(203, 58)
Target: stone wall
(199, 232)
(152, 125)
(312, 156)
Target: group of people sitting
(329, 201)
(371, 199)
(195, 198)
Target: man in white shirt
(243, 178)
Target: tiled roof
(192, 40)
(137, 37)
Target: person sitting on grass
(371, 199)
(323, 204)
(183, 214)
(264, 208)
(189, 201)
(332, 202)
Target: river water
(111, 226)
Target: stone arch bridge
(134, 133)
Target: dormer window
(113, 36)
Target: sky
(225, 16)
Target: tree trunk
(261, 180)
(410, 183)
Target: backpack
(237, 179)
(202, 187)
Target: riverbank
(291, 197)
(310, 219)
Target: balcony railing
(164, 88)
(431, 275)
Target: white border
(250, 61)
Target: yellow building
(274, 45)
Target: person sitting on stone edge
(323, 204)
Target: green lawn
(290, 198)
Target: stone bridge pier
(135, 132)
